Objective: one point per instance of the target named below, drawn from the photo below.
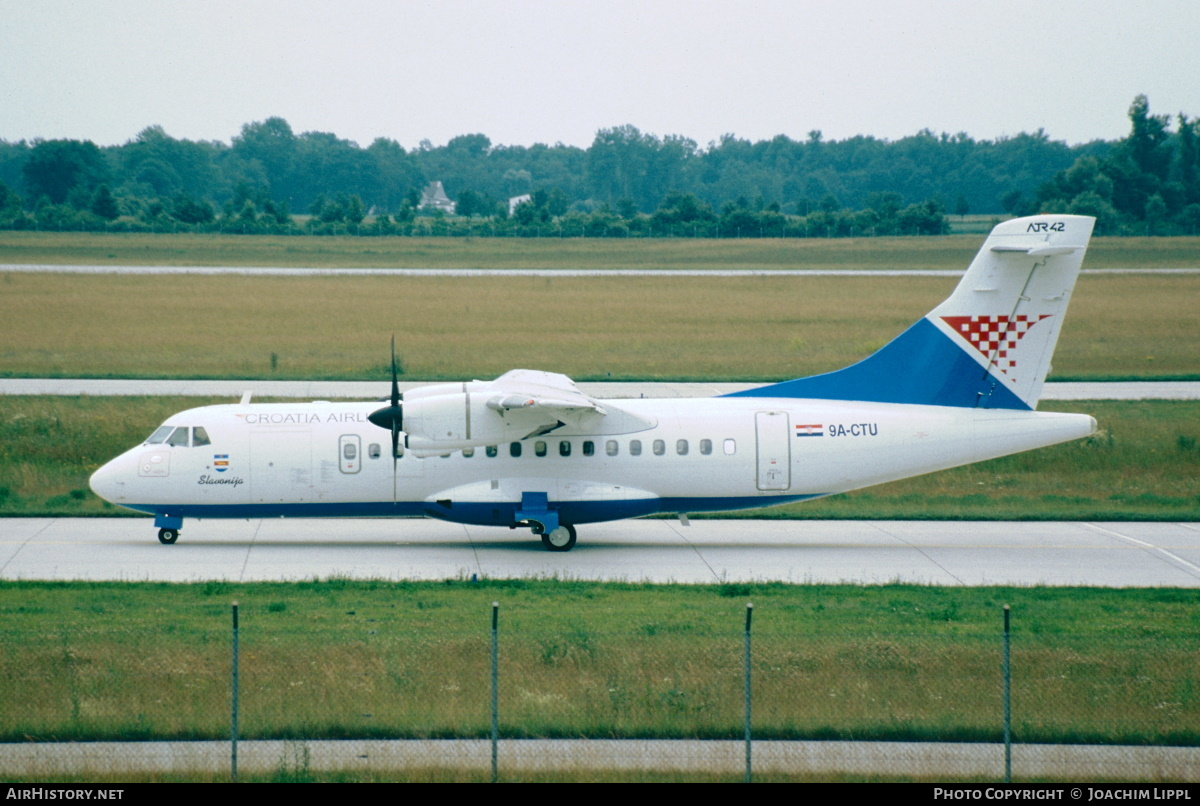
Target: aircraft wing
(554, 397)
(519, 404)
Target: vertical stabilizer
(989, 344)
(1008, 310)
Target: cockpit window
(159, 435)
(200, 436)
(180, 437)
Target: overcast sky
(522, 71)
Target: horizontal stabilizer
(1036, 251)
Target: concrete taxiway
(658, 550)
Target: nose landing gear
(168, 528)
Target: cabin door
(774, 450)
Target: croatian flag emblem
(221, 462)
(810, 430)
(995, 337)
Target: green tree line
(1148, 184)
(627, 183)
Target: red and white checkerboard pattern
(995, 337)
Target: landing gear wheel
(560, 539)
(169, 536)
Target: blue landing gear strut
(535, 509)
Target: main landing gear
(535, 513)
(560, 538)
(168, 536)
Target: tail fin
(989, 344)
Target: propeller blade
(395, 379)
(391, 417)
(395, 458)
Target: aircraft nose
(108, 483)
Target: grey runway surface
(707, 551)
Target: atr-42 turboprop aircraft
(530, 449)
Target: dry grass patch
(742, 329)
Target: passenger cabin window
(539, 448)
(611, 447)
(200, 437)
(589, 448)
(468, 453)
(564, 448)
(681, 447)
(514, 450)
(706, 446)
(660, 447)
(179, 438)
(730, 447)
(492, 451)
(635, 447)
(374, 451)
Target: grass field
(1144, 464)
(739, 329)
(648, 328)
(337, 658)
(932, 252)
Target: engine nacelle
(452, 420)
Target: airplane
(530, 450)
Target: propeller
(391, 417)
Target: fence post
(233, 705)
(746, 685)
(495, 688)
(1006, 667)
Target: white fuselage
(326, 459)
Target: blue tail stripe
(921, 366)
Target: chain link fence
(212, 700)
